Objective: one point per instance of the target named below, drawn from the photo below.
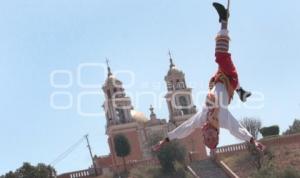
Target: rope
(66, 153)
(228, 8)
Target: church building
(138, 128)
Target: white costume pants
(226, 119)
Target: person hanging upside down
(215, 113)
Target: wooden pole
(90, 150)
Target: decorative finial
(108, 68)
(152, 115)
(171, 60)
(151, 109)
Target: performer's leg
(222, 39)
(235, 128)
(243, 94)
(223, 58)
(226, 119)
(186, 128)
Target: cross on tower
(107, 62)
(151, 109)
(171, 60)
(108, 68)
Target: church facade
(122, 118)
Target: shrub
(157, 172)
(266, 172)
(272, 172)
(149, 171)
(269, 131)
(290, 173)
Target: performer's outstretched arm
(189, 126)
(185, 129)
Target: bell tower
(179, 96)
(121, 119)
(117, 105)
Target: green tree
(26, 171)
(10, 175)
(29, 171)
(122, 147)
(153, 139)
(43, 170)
(170, 154)
(295, 128)
(252, 125)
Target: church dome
(112, 81)
(174, 74)
(175, 71)
(139, 116)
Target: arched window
(170, 86)
(184, 103)
(121, 116)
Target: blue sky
(39, 37)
